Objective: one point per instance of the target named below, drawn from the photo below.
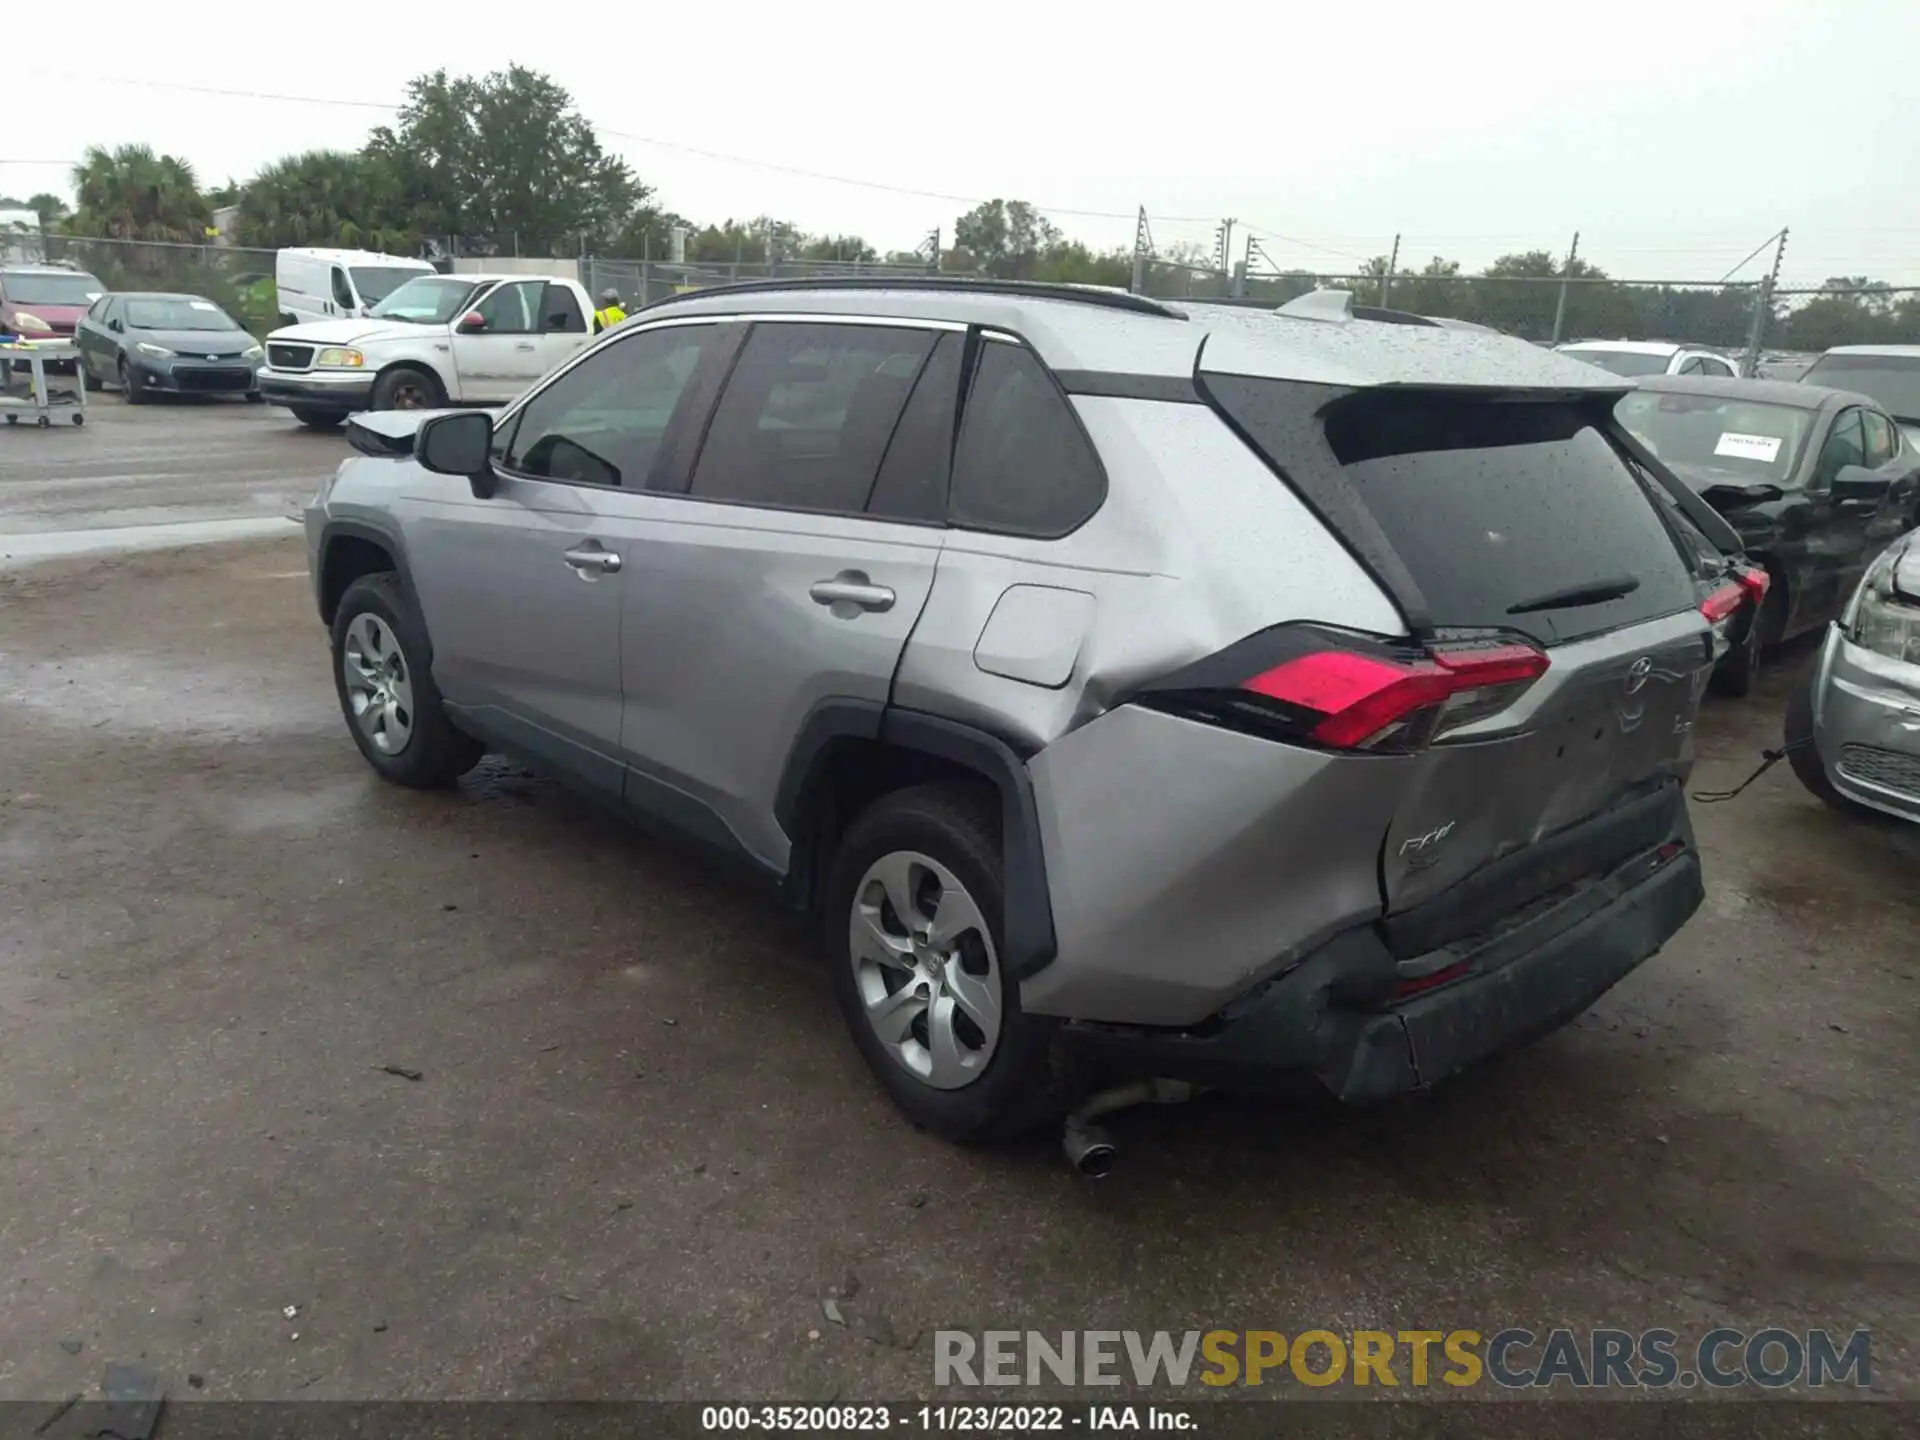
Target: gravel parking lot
(640, 1152)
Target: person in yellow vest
(609, 314)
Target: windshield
(38, 289)
(177, 313)
(426, 300)
(1623, 362)
(1707, 439)
(376, 282)
(1892, 380)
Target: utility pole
(1566, 271)
(1386, 280)
(932, 242)
(1223, 245)
(1142, 248)
(1762, 308)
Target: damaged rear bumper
(1333, 1022)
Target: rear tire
(391, 705)
(317, 419)
(1797, 732)
(924, 1016)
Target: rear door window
(562, 312)
(807, 415)
(1023, 465)
(912, 484)
(1508, 514)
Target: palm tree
(130, 193)
(50, 208)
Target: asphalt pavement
(312, 1088)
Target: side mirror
(1736, 497)
(472, 323)
(1856, 482)
(458, 444)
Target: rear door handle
(525, 345)
(592, 560)
(852, 588)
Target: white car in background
(1650, 357)
(436, 341)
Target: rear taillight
(1755, 583)
(1723, 602)
(1344, 691)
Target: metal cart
(41, 399)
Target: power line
(1756, 250)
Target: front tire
(387, 694)
(129, 391)
(406, 387)
(1797, 732)
(912, 913)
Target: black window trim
(509, 419)
(979, 336)
(1814, 485)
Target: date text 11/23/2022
(958, 1419)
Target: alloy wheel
(925, 969)
(379, 684)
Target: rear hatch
(1506, 519)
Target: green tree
(505, 161)
(324, 197)
(1004, 238)
(130, 193)
(843, 248)
(50, 208)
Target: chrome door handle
(524, 345)
(595, 561)
(851, 587)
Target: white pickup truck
(437, 340)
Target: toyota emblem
(1638, 674)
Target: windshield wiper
(1594, 592)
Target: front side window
(807, 415)
(511, 308)
(604, 422)
(1846, 445)
(1022, 466)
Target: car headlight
(1883, 617)
(339, 357)
(31, 324)
(147, 347)
(252, 352)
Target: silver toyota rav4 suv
(1134, 692)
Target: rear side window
(561, 312)
(1023, 465)
(1510, 514)
(807, 415)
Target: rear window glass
(1498, 507)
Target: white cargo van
(338, 284)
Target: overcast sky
(1674, 136)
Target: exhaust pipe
(1090, 1149)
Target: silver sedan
(1853, 724)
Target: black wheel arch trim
(1027, 926)
(387, 540)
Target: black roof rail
(950, 284)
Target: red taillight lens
(1755, 583)
(1350, 692)
(1723, 602)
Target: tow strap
(1768, 759)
